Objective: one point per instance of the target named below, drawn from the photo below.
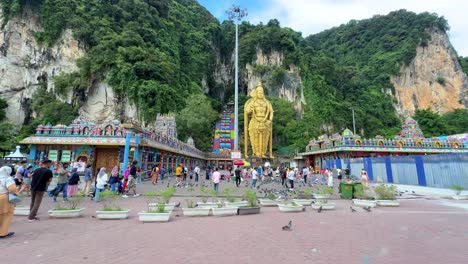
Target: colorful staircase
(224, 132)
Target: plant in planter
(110, 208)
(205, 193)
(231, 200)
(251, 207)
(363, 198)
(458, 189)
(291, 207)
(21, 209)
(386, 195)
(191, 210)
(324, 194)
(68, 209)
(156, 212)
(304, 197)
(225, 210)
(270, 200)
(166, 196)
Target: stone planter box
(154, 217)
(66, 213)
(167, 207)
(460, 197)
(208, 205)
(370, 203)
(197, 211)
(224, 211)
(245, 210)
(269, 202)
(325, 206)
(322, 197)
(112, 214)
(290, 208)
(21, 210)
(305, 196)
(388, 203)
(235, 204)
(305, 202)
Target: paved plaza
(422, 230)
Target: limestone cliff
(434, 79)
(25, 65)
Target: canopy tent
(16, 156)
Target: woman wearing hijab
(101, 180)
(114, 178)
(7, 184)
(73, 182)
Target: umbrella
(239, 162)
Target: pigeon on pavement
(319, 210)
(288, 226)
(352, 209)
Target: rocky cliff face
(434, 79)
(25, 65)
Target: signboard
(66, 156)
(236, 154)
(53, 155)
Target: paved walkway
(419, 231)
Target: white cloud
(313, 16)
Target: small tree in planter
(231, 200)
(324, 194)
(191, 210)
(386, 195)
(304, 197)
(291, 207)
(156, 212)
(68, 209)
(363, 198)
(110, 208)
(251, 207)
(458, 189)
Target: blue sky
(313, 16)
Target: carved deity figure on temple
(260, 127)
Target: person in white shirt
(291, 178)
(330, 178)
(101, 180)
(305, 173)
(254, 178)
(197, 173)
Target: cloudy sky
(313, 16)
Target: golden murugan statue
(260, 127)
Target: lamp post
(236, 14)
(354, 124)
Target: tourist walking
(40, 178)
(72, 186)
(162, 172)
(62, 182)
(7, 185)
(19, 174)
(114, 179)
(254, 177)
(330, 178)
(178, 174)
(101, 180)
(155, 175)
(364, 178)
(305, 173)
(184, 175)
(284, 175)
(88, 175)
(216, 179)
(197, 173)
(131, 185)
(291, 178)
(238, 174)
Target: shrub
(167, 194)
(251, 197)
(386, 192)
(110, 201)
(457, 188)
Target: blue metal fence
(440, 171)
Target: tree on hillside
(457, 121)
(197, 120)
(431, 123)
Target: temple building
(112, 143)
(345, 146)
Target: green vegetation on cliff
(162, 54)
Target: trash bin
(346, 190)
(356, 187)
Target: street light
(236, 14)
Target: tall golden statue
(260, 127)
